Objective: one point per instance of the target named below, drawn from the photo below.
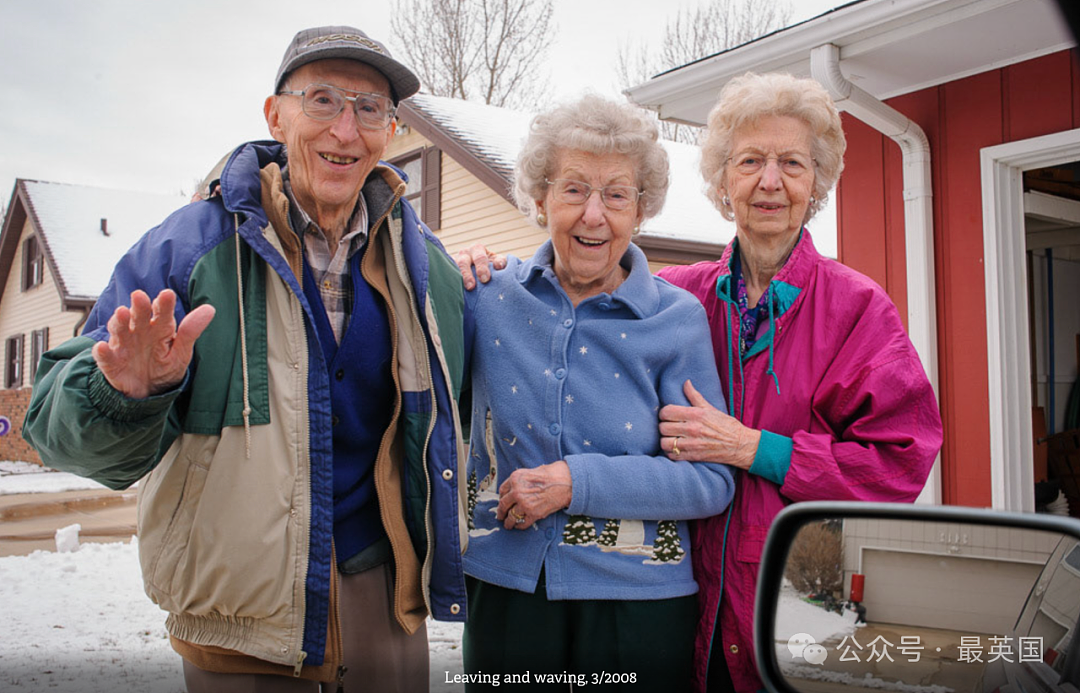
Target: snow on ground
(793, 615)
(23, 477)
(81, 623)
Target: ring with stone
(518, 518)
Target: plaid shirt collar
(330, 266)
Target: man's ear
(273, 118)
(390, 130)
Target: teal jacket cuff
(773, 458)
(116, 406)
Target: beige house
(460, 156)
(57, 250)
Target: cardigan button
(560, 373)
(568, 323)
(448, 474)
(554, 428)
(455, 609)
(734, 649)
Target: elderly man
(300, 517)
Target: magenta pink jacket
(848, 413)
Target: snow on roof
(70, 218)
(498, 133)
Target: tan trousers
(379, 655)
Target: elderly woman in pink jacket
(828, 398)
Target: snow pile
(67, 538)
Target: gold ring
(675, 446)
(518, 518)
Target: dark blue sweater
(362, 400)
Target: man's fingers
(478, 254)
(192, 326)
(497, 261)
(164, 306)
(464, 263)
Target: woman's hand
(703, 433)
(530, 495)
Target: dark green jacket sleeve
(79, 423)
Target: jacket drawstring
(772, 340)
(243, 341)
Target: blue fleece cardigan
(554, 382)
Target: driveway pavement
(28, 522)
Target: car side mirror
(918, 599)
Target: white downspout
(918, 213)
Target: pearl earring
(541, 219)
(813, 200)
(726, 201)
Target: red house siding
(1029, 99)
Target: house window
(424, 169)
(13, 357)
(39, 344)
(33, 263)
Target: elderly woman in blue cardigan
(579, 555)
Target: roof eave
(856, 28)
(420, 121)
(676, 250)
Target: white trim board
(1008, 355)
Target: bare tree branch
(485, 50)
(694, 34)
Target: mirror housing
(783, 536)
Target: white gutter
(918, 211)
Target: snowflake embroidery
(584, 350)
(616, 376)
(529, 426)
(547, 372)
(498, 343)
(588, 443)
(623, 335)
(553, 311)
(500, 297)
(629, 426)
(569, 399)
(513, 389)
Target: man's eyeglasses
(574, 192)
(324, 102)
(791, 165)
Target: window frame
(39, 344)
(13, 361)
(430, 193)
(33, 264)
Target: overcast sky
(147, 95)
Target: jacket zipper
(425, 569)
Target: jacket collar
(639, 292)
(241, 189)
(788, 283)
